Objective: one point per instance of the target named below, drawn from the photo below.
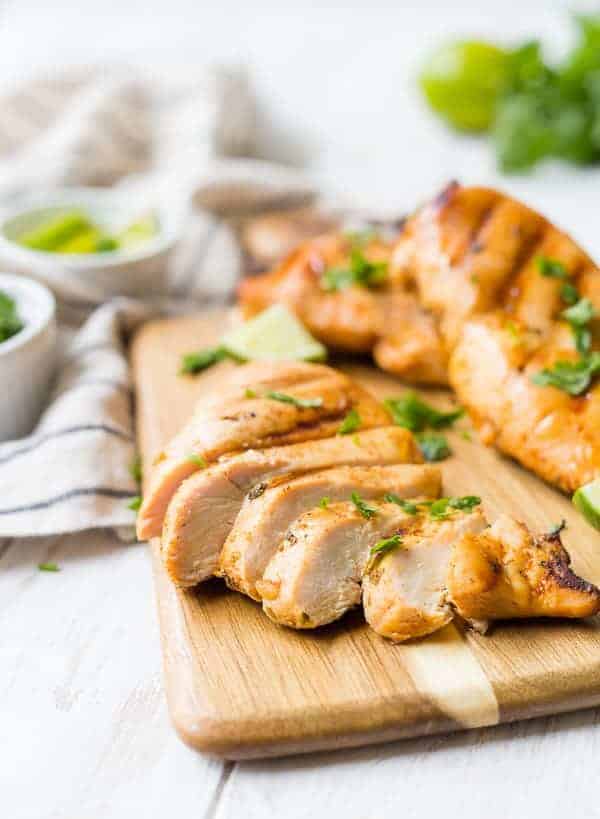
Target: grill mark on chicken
(445, 196)
(508, 292)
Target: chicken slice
(263, 522)
(240, 417)
(204, 508)
(315, 575)
(506, 572)
(404, 591)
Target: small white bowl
(28, 359)
(92, 277)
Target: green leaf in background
(533, 110)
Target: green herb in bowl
(10, 322)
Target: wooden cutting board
(239, 686)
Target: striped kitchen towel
(74, 471)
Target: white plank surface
(84, 732)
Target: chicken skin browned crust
(505, 572)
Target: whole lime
(462, 82)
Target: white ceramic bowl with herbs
(28, 349)
(109, 256)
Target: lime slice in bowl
(587, 501)
(273, 335)
(143, 228)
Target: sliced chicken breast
(404, 591)
(203, 510)
(262, 522)
(242, 417)
(315, 575)
(506, 572)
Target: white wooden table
(84, 729)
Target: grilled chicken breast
(263, 522)
(404, 591)
(547, 430)
(203, 510)
(475, 257)
(315, 575)
(469, 254)
(242, 417)
(506, 572)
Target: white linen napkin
(99, 127)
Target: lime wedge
(587, 501)
(276, 334)
(142, 229)
(53, 232)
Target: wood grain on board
(240, 686)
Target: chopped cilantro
(324, 502)
(135, 503)
(197, 460)
(414, 414)
(579, 316)
(569, 293)
(434, 447)
(441, 508)
(193, 363)
(552, 268)
(351, 423)
(467, 502)
(573, 377)
(407, 506)
(301, 403)
(360, 271)
(135, 469)
(582, 312)
(48, 567)
(387, 544)
(365, 510)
